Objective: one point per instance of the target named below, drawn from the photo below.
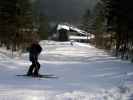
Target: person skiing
(34, 51)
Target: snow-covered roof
(63, 27)
(78, 30)
(78, 37)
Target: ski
(39, 76)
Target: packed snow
(83, 73)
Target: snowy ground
(84, 73)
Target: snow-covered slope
(84, 73)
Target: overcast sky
(65, 10)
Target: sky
(66, 10)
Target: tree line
(21, 22)
(112, 24)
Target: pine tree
(119, 17)
(16, 23)
(99, 24)
(7, 21)
(41, 20)
(86, 21)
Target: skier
(34, 51)
(71, 42)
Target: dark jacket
(34, 51)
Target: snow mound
(120, 93)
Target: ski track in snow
(84, 73)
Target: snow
(79, 30)
(62, 27)
(84, 73)
(78, 37)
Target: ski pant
(34, 68)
